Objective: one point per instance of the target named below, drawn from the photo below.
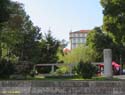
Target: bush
(6, 69)
(44, 69)
(24, 68)
(62, 70)
(86, 70)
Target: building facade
(78, 37)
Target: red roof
(84, 31)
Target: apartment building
(78, 37)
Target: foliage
(20, 38)
(21, 41)
(7, 69)
(4, 16)
(60, 52)
(63, 69)
(98, 41)
(26, 36)
(114, 25)
(24, 68)
(4, 10)
(86, 70)
(114, 16)
(81, 53)
(49, 47)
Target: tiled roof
(83, 31)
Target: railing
(53, 65)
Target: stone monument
(108, 63)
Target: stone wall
(62, 87)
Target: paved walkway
(120, 76)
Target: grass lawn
(64, 78)
(58, 78)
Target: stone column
(108, 63)
(52, 68)
(70, 69)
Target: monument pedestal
(108, 73)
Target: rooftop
(83, 31)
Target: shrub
(6, 69)
(24, 68)
(86, 70)
(62, 70)
(44, 69)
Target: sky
(64, 16)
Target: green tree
(23, 35)
(4, 10)
(114, 16)
(8, 34)
(113, 22)
(21, 41)
(86, 70)
(48, 52)
(61, 50)
(81, 53)
(4, 16)
(49, 49)
(97, 41)
(19, 37)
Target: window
(85, 40)
(78, 40)
(78, 35)
(81, 40)
(73, 45)
(73, 40)
(73, 35)
(81, 35)
(85, 34)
